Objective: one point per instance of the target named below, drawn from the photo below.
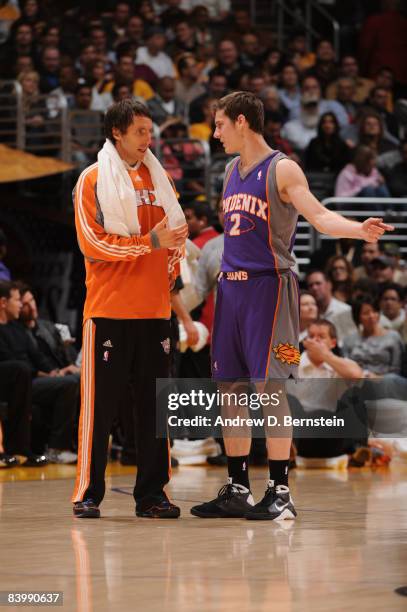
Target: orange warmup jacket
(126, 278)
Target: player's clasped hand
(170, 238)
(373, 228)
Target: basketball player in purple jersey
(256, 325)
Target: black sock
(279, 471)
(238, 469)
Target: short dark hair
(325, 323)
(243, 103)
(82, 85)
(182, 62)
(316, 271)
(392, 287)
(23, 287)
(121, 114)
(6, 287)
(200, 210)
(361, 301)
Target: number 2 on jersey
(235, 231)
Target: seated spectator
(385, 78)
(378, 100)
(392, 312)
(299, 132)
(4, 271)
(228, 64)
(24, 63)
(148, 14)
(135, 31)
(396, 176)
(361, 178)
(308, 315)
(54, 397)
(327, 152)
(298, 44)
(35, 110)
(251, 53)
(215, 88)
(345, 97)
(257, 80)
(371, 133)
(188, 86)
(376, 350)
(349, 68)
(46, 335)
(153, 55)
(382, 269)
(166, 103)
(204, 129)
(341, 274)
(68, 83)
(121, 92)
(325, 68)
(311, 91)
(370, 251)
(329, 307)
(117, 28)
(99, 78)
(86, 128)
(318, 397)
(98, 38)
(86, 61)
(272, 102)
(273, 123)
(124, 74)
(200, 19)
(199, 217)
(273, 64)
(185, 40)
(50, 64)
(289, 88)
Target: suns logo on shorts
(166, 345)
(287, 353)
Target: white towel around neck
(117, 197)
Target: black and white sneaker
(233, 501)
(275, 505)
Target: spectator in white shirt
(319, 396)
(153, 55)
(330, 308)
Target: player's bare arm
(293, 187)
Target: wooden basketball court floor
(346, 551)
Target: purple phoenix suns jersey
(259, 228)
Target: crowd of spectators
(179, 56)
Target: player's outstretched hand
(170, 238)
(373, 228)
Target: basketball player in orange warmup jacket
(126, 320)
